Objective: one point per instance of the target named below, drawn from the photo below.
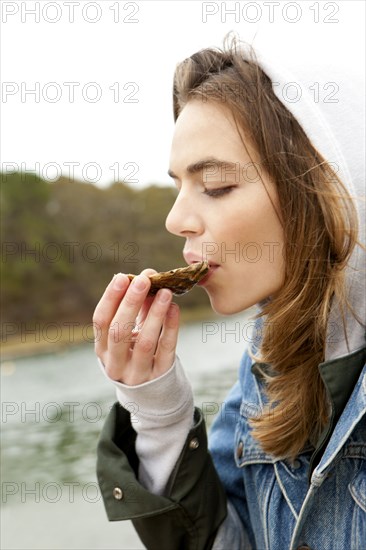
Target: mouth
(212, 267)
(211, 270)
(191, 258)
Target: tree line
(62, 242)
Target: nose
(184, 219)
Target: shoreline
(31, 343)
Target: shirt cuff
(159, 402)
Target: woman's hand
(134, 357)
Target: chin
(228, 307)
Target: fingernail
(119, 282)
(139, 283)
(172, 311)
(164, 296)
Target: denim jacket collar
(353, 412)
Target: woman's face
(225, 209)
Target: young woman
(286, 463)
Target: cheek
(239, 227)
(251, 218)
(251, 253)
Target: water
(53, 408)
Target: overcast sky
(101, 74)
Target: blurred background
(87, 121)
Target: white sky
(135, 137)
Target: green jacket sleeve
(194, 503)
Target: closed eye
(216, 193)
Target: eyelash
(216, 193)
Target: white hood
(329, 103)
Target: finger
(148, 271)
(119, 334)
(165, 353)
(106, 309)
(140, 319)
(147, 304)
(143, 313)
(146, 344)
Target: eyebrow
(200, 165)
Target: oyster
(179, 280)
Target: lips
(192, 258)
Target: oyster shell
(179, 280)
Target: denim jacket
(273, 502)
(237, 497)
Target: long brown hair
(320, 228)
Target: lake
(53, 408)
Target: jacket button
(303, 547)
(194, 444)
(118, 493)
(239, 450)
(296, 465)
